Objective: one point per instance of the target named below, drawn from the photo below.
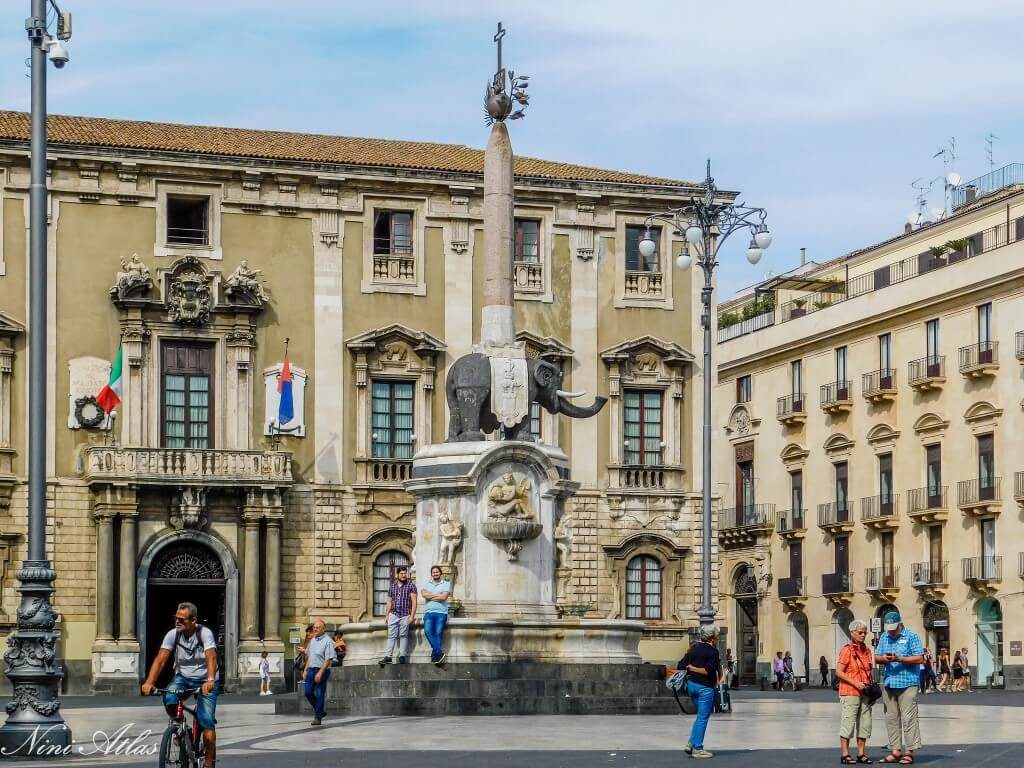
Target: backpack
(199, 644)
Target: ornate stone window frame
(672, 558)
(546, 216)
(982, 417)
(647, 363)
(794, 457)
(668, 246)
(930, 428)
(366, 552)
(551, 349)
(838, 447)
(401, 354)
(743, 423)
(417, 205)
(214, 192)
(882, 438)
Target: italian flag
(110, 396)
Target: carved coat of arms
(189, 299)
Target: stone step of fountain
(493, 689)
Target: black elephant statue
(468, 389)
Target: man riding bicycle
(194, 648)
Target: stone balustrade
(159, 466)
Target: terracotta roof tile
(301, 147)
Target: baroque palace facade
(201, 251)
(871, 415)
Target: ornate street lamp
(705, 223)
(34, 726)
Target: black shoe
(402, 660)
(384, 661)
(441, 658)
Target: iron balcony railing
(1020, 345)
(833, 513)
(750, 516)
(882, 577)
(984, 568)
(791, 405)
(876, 382)
(929, 497)
(836, 583)
(925, 368)
(929, 573)
(836, 392)
(792, 586)
(884, 276)
(188, 236)
(982, 353)
(879, 507)
(1018, 485)
(1012, 173)
(979, 490)
(791, 520)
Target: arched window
(383, 574)
(643, 588)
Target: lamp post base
(34, 727)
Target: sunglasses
(179, 620)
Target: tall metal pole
(34, 726)
(706, 613)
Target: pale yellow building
(870, 442)
(364, 255)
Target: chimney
(803, 257)
(970, 194)
(908, 228)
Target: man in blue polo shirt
(900, 653)
(435, 612)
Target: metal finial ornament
(506, 90)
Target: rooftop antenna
(988, 150)
(917, 217)
(951, 178)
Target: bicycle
(182, 743)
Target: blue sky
(823, 113)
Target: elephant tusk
(569, 395)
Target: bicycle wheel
(172, 750)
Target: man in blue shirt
(900, 653)
(319, 655)
(435, 615)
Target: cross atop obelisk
(499, 76)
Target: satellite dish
(954, 179)
(938, 213)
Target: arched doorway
(195, 567)
(799, 645)
(745, 593)
(936, 626)
(990, 643)
(840, 632)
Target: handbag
(872, 691)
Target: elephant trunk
(574, 411)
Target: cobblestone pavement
(768, 730)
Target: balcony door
(935, 553)
(796, 498)
(744, 492)
(186, 413)
(842, 387)
(988, 548)
(796, 376)
(885, 493)
(933, 473)
(888, 560)
(842, 555)
(932, 347)
(986, 466)
(885, 361)
(796, 560)
(842, 492)
(985, 333)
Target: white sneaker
(701, 753)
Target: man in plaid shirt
(401, 613)
(900, 653)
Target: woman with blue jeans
(704, 667)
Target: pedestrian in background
(899, 652)
(967, 671)
(704, 668)
(730, 669)
(853, 668)
(264, 674)
(945, 671)
(823, 669)
(339, 647)
(958, 672)
(299, 664)
(319, 657)
(779, 668)
(401, 612)
(435, 612)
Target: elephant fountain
(468, 389)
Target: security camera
(59, 54)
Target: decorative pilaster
(104, 586)
(272, 612)
(126, 606)
(240, 344)
(250, 577)
(135, 338)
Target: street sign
(294, 634)
(876, 625)
(1015, 649)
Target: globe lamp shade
(647, 246)
(684, 260)
(763, 238)
(694, 234)
(753, 253)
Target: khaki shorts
(852, 721)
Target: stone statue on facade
(563, 542)
(133, 279)
(451, 537)
(510, 499)
(245, 283)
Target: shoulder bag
(872, 691)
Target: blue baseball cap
(892, 620)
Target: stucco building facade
(362, 255)
(869, 416)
